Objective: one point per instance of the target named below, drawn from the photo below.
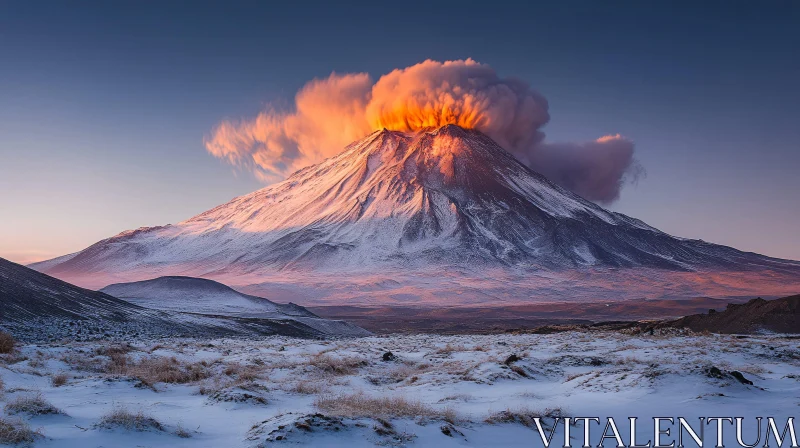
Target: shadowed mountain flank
(37, 307)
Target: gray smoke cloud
(596, 170)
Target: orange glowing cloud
(333, 112)
(329, 114)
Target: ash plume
(333, 112)
(596, 170)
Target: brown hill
(779, 316)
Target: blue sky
(104, 106)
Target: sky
(104, 106)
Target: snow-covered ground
(431, 391)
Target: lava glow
(465, 93)
(414, 117)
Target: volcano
(441, 214)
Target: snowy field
(431, 390)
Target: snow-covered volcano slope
(202, 296)
(37, 307)
(446, 197)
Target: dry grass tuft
(396, 375)
(754, 370)
(7, 343)
(15, 432)
(337, 366)
(114, 349)
(181, 432)
(524, 416)
(519, 371)
(152, 370)
(120, 417)
(450, 348)
(31, 405)
(83, 361)
(59, 379)
(242, 373)
(574, 376)
(456, 397)
(362, 405)
(629, 361)
(306, 387)
(208, 389)
(402, 373)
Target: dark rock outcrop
(757, 315)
